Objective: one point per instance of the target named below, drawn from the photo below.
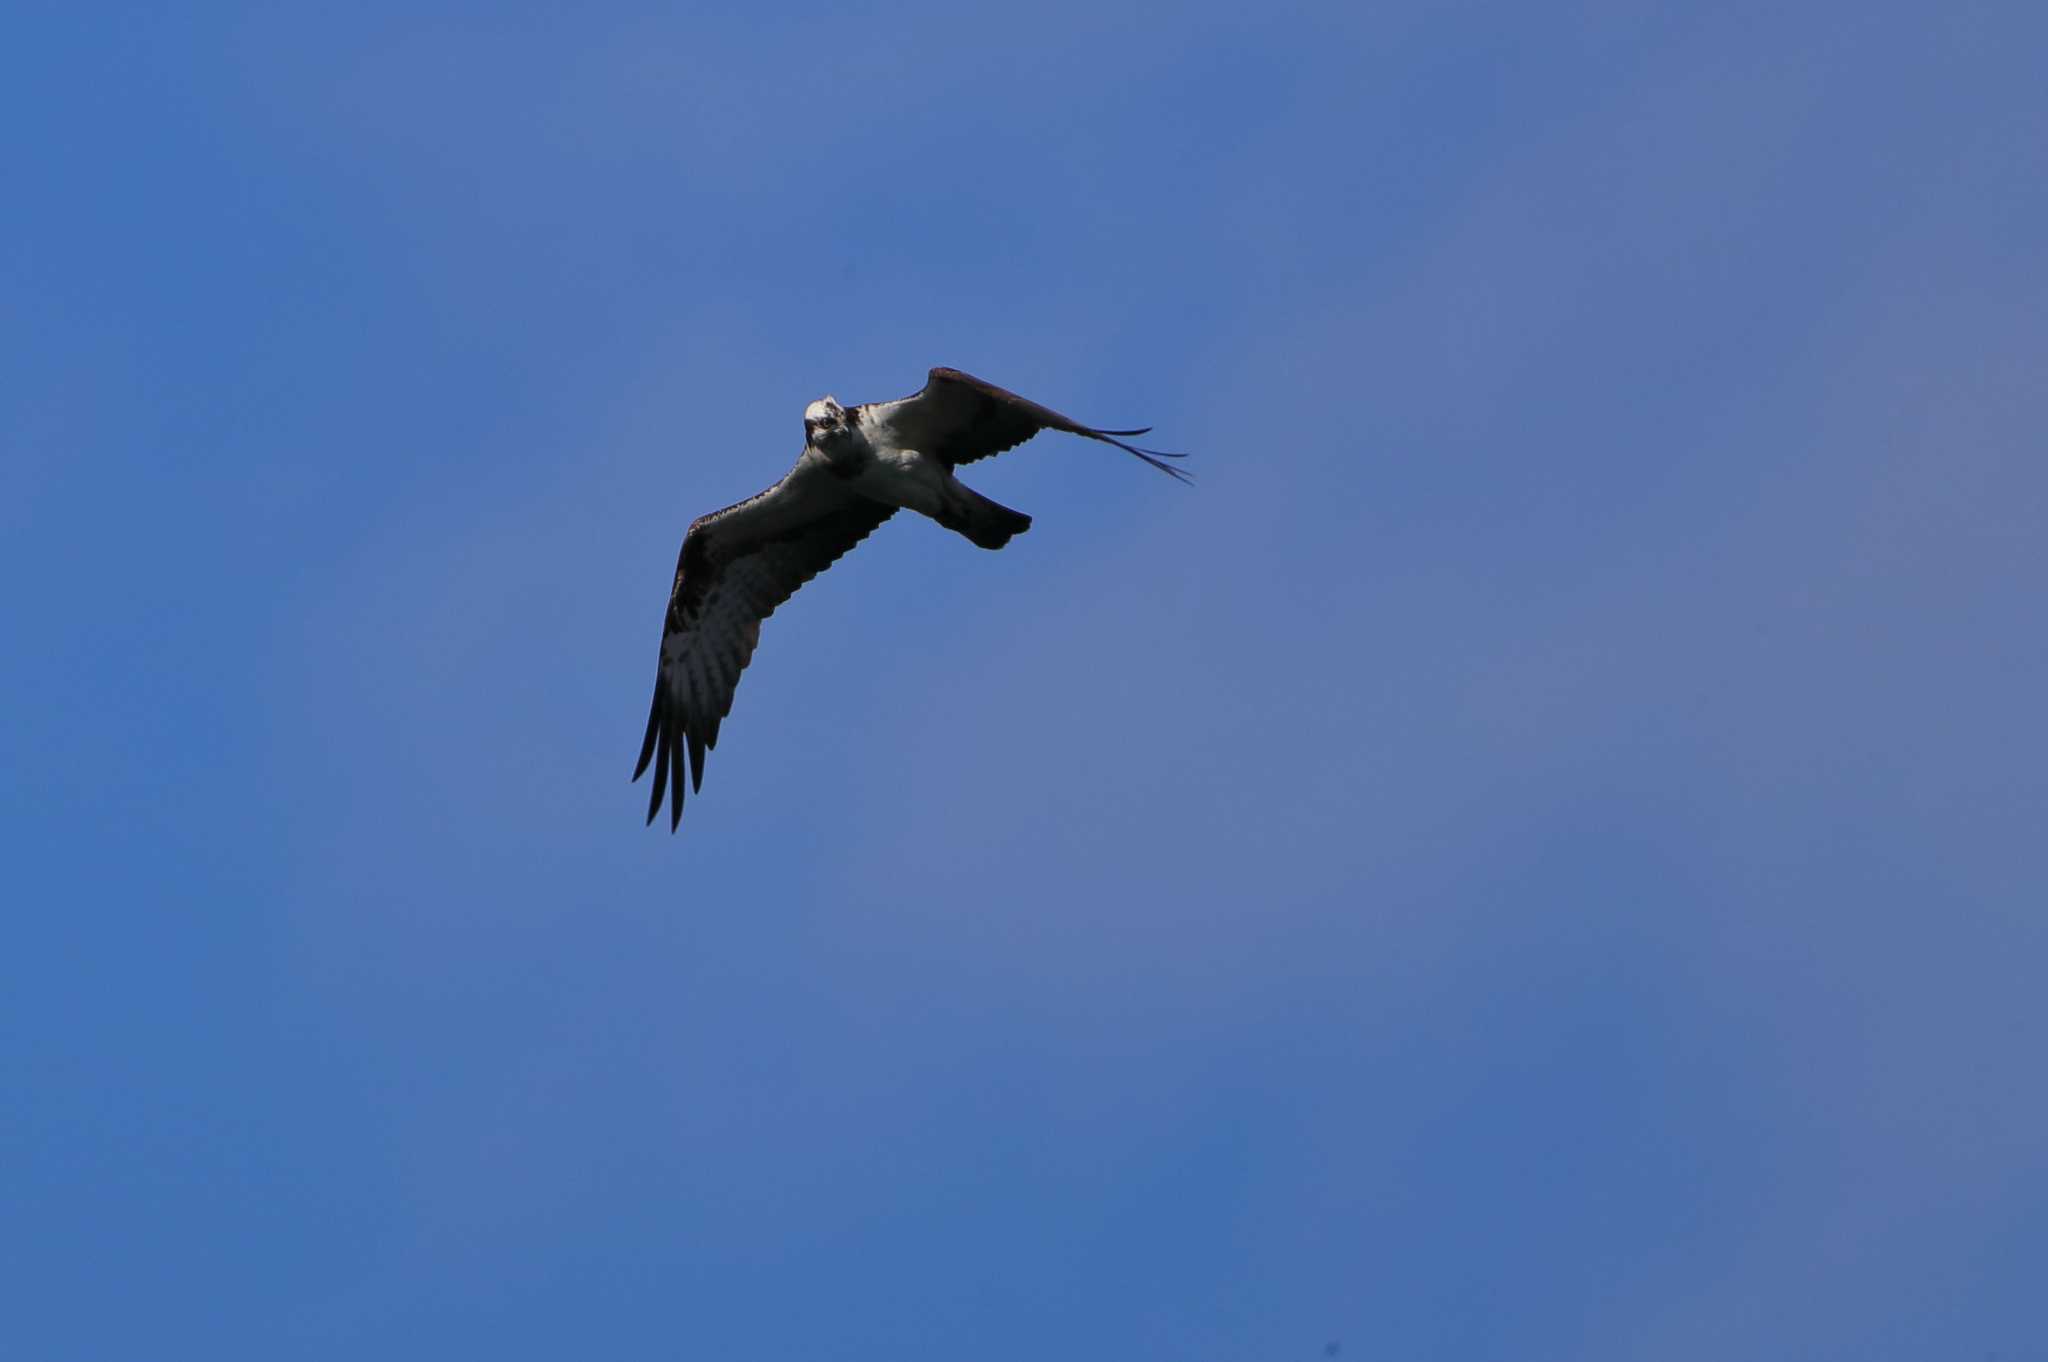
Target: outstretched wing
(737, 565)
(961, 418)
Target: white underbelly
(904, 477)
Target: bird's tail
(989, 524)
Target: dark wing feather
(960, 418)
(734, 570)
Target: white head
(824, 420)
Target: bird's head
(825, 421)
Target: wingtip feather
(675, 808)
(653, 731)
(660, 780)
(1156, 457)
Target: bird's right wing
(736, 566)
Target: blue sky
(1538, 854)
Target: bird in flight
(860, 465)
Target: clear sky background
(1539, 854)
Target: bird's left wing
(960, 418)
(736, 566)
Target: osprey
(860, 465)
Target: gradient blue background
(1540, 854)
